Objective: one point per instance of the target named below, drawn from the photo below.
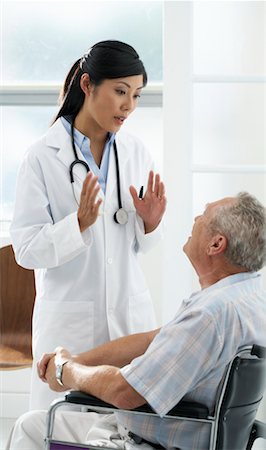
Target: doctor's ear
(217, 245)
(85, 83)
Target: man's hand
(47, 367)
(42, 365)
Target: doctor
(79, 221)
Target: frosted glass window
(32, 122)
(41, 39)
(229, 37)
(229, 123)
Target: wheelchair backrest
(243, 391)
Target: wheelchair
(232, 422)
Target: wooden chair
(16, 304)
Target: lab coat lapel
(58, 137)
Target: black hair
(104, 60)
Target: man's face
(197, 244)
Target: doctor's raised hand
(89, 207)
(152, 206)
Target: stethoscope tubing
(120, 215)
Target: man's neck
(217, 274)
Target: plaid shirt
(188, 357)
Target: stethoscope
(120, 216)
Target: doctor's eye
(120, 91)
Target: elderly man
(185, 358)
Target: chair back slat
(17, 294)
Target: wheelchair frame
(189, 411)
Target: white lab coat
(89, 286)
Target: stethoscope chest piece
(121, 216)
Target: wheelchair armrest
(182, 409)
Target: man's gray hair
(243, 223)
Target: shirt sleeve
(176, 361)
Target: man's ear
(218, 244)
(85, 83)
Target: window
(41, 39)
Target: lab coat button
(109, 260)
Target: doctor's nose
(129, 105)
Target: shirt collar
(79, 137)
(227, 281)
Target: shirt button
(109, 260)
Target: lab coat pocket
(141, 313)
(67, 324)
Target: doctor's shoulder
(37, 151)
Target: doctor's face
(109, 104)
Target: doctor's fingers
(157, 185)
(161, 190)
(89, 196)
(90, 192)
(150, 181)
(154, 183)
(89, 184)
(134, 195)
(87, 214)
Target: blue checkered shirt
(188, 357)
